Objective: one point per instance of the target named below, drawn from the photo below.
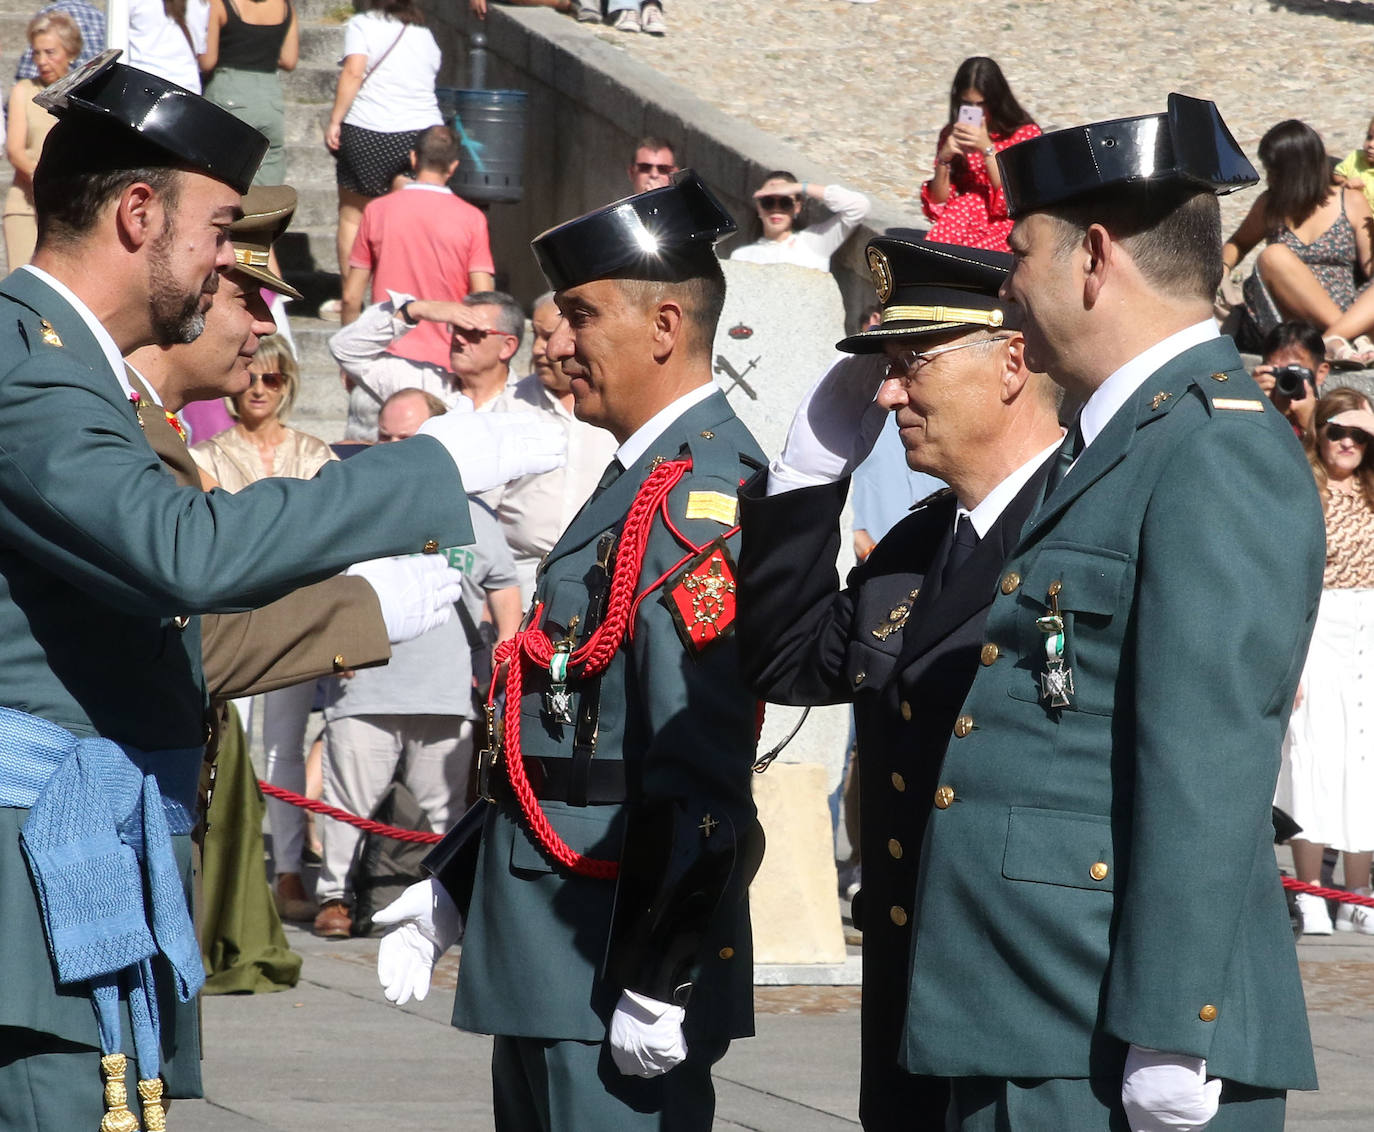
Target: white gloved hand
(646, 1035)
(834, 427)
(1167, 1092)
(490, 449)
(429, 923)
(416, 592)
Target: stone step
(307, 251)
(309, 163)
(311, 82)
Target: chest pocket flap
(1090, 578)
(1059, 847)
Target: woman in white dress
(1327, 780)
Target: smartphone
(973, 115)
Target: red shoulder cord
(533, 647)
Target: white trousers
(284, 716)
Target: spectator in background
(1327, 778)
(964, 198)
(653, 163)
(1294, 344)
(1318, 237)
(418, 707)
(421, 239)
(535, 510)
(243, 50)
(485, 331)
(384, 98)
(54, 41)
(634, 16)
(162, 39)
(479, 7)
(89, 20)
(781, 230)
(1359, 165)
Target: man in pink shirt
(421, 239)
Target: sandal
(1344, 355)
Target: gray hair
(511, 317)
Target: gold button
(1055, 587)
(944, 795)
(707, 434)
(898, 781)
(727, 952)
(1218, 377)
(898, 915)
(339, 663)
(990, 654)
(859, 678)
(963, 725)
(1010, 582)
(1099, 870)
(895, 848)
(1208, 1013)
(432, 547)
(905, 709)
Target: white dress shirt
(995, 502)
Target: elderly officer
(902, 638)
(106, 561)
(1100, 939)
(614, 860)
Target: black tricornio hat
(927, 288)
(112, 116)
(666, 234)
(1189, 145)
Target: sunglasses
(650, 167)
(272, 381)
(909, 363)
(777, 204)
(1343, 432)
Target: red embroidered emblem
(702, 597)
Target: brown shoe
(293, 902)
(334, 922)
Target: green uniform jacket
(683, 722)
(1104, 873)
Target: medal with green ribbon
(1056, 682)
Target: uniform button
(944, 795)
(1099, 871)
(339, 663)
(905, 709)
(898, 914)
(1208, 1013)
(727, 952)
(963, 725)
(859, 678)
(1218, 376)
(895, 848)
(1010, 582)
(898, 782)
(432, 546)
(989, 654)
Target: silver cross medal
(558, 700)
(1056, 682)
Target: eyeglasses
(272, 381)
(649, 167)
(777, 204)
(1343, 432)
(908, 363)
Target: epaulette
(933, 497)
(47, 334)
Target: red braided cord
(1337, 894)
(367, 825)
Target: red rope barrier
(1337, 894)
(367, 825)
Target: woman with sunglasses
(260, 445)
(1327, 780)
(964, 198)
(781, 230)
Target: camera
(1289, 380)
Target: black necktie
(608, 477)
(1069, 451)
(964, 544)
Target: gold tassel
(150, 1097)
(117, 1116)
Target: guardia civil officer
(902, 638)
(1100, 939)
(105, 564)
(607, 937)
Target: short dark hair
(1002, 113)
(1172, 232)
(67, 206)
(702, 298)
(652, 141)
(436, 148)
(1295, 334)
(407, 11)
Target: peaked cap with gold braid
(267, 210)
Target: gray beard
(177, 319)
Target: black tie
(608, 477)
(1069, 451)
(964, 544)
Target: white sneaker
(626, 20)
(651, 18)
(1355, 918)
(1315, 919)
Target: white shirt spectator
(159, 46)
(399, 93)
(814, 245)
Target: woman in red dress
(965, 198)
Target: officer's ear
(668, 328)
(140, 215)
(1101, 256)
(1014, 371)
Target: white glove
(1167, 1092)
(416, 592)
(429, 924)
(834, 427)
(646, 1035)
(490, 449)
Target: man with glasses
(485, 329)
(653, 163)
(901, 639)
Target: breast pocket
(1088, 584)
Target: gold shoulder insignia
(1244, 404)
(713, 505)
(50, 336)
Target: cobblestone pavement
(863, 88)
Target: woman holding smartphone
(964, 198)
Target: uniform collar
(98, 332)
(655, 426)
(986, 514)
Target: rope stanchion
(1337, 894)
(367, 825)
